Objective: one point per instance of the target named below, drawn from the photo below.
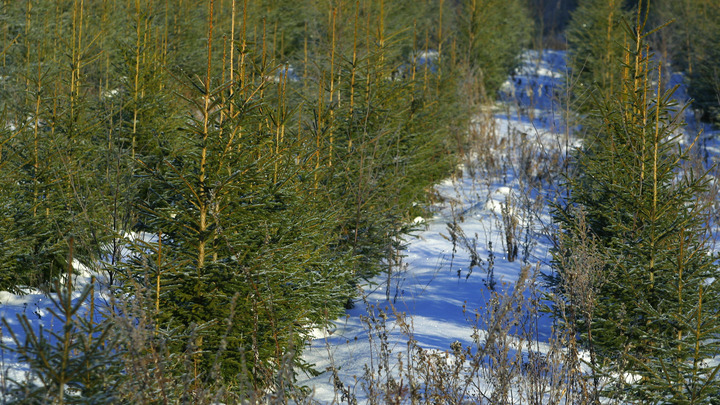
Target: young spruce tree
(241, 264)
(656, 316)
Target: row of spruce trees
(229, 168)
(648, 314)
(687, 44)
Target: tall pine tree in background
(704, 78)
(656, 315)
(51, 142)
(595, 39)
(489, 43)
(690, 45)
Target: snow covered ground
(445, 280)
(38, 308)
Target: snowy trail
(436, 283)
(432, 289)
